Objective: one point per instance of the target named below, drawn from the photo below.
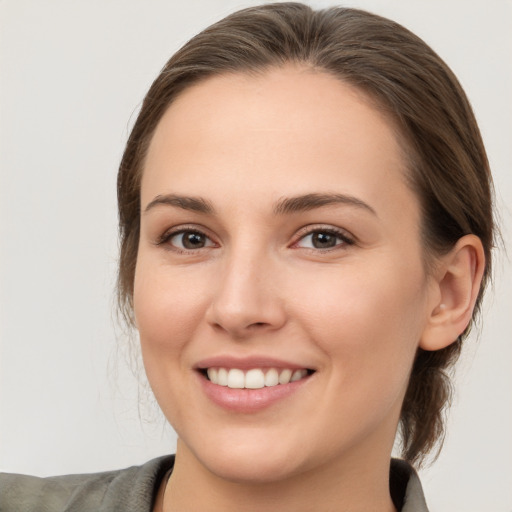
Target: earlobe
(457, 287)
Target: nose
(247, 299)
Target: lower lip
(249, 400)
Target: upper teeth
(255, 378)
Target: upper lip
(245, 363)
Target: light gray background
(72, 73)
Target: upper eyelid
(176, 230)
(345, 241)
(315, 228)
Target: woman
(306, 228)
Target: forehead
(286, 130)
(299, 100)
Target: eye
(324, 239)
(188, 240)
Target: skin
(355, 312)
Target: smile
(251, 384)
(254, 378)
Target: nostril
(258, 324)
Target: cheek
(369, 323)
(168, 309)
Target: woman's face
(278, 237)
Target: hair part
(448, 167)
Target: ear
(456, 287)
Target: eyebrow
(284, 206)
(306, 202)
(195, 204)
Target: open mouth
(254, 378)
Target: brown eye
(324, 239)
(190, 240)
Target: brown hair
(448, 167)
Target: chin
(263, 470)
(250, 463)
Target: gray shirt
(134, 490)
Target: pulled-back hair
(447, 164)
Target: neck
(354, 485)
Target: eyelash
(168, 235)
(342, 235)
(303, 234)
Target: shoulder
(132, 489)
